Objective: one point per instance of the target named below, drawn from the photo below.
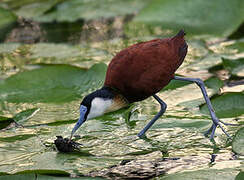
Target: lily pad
(51, 83)
(238, 142)
(91, 9)
(5, 122)
(35, 9)
(24, 115)
(7, 21)
(18, 177)
(235, 66)
(214, 83)
(195, 16)
(227, 105)
(8, 47)
(216, 174)
(54, 50)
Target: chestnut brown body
(143, 69)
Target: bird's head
(98, 103)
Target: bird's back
(143, 69)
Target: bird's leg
(216, 121)
(160, 113)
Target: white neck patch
(99, 107)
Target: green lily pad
(54, 50)
(46, 172)
(24, 115)
(240, 176)
(238, 142)
(235, 66)
(195, 16)
(18, 177)
(51, 83)
(8, 47)
(35, 9)
(92, 9)
(214, 83)
(6, 22)
(226, 105)
(210, 174)
(174, 84)
(44, 177)
(5, 122)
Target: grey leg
(216, 121)
(160, 113)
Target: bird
(139, 72)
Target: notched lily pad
(238, 142)
(226, 105)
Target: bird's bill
(77, 125)
(81, 120)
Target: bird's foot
(216, 123)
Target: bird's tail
(180, 34)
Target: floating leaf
(18, 177)
(238, 142)
(174, 84)
(51, 83)
(235, 66)
(8, 47)
(7, 19)
(91, 9)
(44, 177)
(5, 122)
(214, 83)
(215, 174)
(46, 172)
(54, 50)
(35, 9)
(16, 138)
(226, 105)
(24, 115)
(195, 16)
(240, 176)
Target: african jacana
(138, 72)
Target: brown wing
(143, 69)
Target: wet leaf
(17, 138)
(6, 22)
(8, 47)
(174, 84)
(46, 172)
(234, 66)
(226, 105)
(44, 177)
(194, 15)
(214, 83)
(5, 122)
(18, 177)
(216, 174)
(35, 9)
(238, 142)
(24, 115)
(51, 83)
(91, 9)
(54, 50)
(240, 176)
